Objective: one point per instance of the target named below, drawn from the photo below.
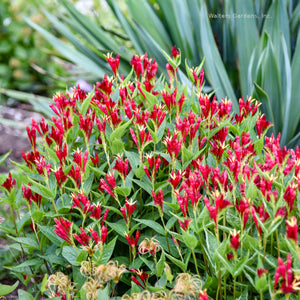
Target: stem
(195, 262)
(166, 232)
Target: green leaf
(70, 254)
(86, 103)
(118, 133)
(26, 263)
(214, 67)
(108, 251)
(152, 224)
(73, 55)
(4, 156)
(239, 268)
(177, 262)
(133, 159)
(103, 294)
(40, 189)
(44, 284)
(244, 295)
(24, 295)
(117, 147)
(123, 191)
(7, 289)
(144, 185)
(247, 38)
(227, 264)
(161, 264)
(120, 228)
(49, 233)
(28, 242)
(87, 185)
(190, 240)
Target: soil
(13, 136)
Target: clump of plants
(144, 189)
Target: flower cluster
(163, 180)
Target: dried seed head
(187, 284)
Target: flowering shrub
(144, 190)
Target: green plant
(250, 47)
(140, 188)
(20, 50)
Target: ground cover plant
(144, 189)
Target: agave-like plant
(251, 47)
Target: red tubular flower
(175, 53)
(157, 115)
(101, 125)
(285, 272)
(142, 276)
(63, 229)
(198, 80)
(169, 99)
(60, 176)
(82, 203)
(262, 124)
(290, 195)
(61, 153)
(86, 124)
(75, 174)
(203, 295)
(103, 186)
(122, 167)
(9, 183)
(103, 234)
(292, 229)
(95, 160)
(183, 202)
(96, 211)
(32, 136)
(243, 209)
(136, 62)
(130, 208)
(173, 144)
(261, 272)
(158, 200)
(220, 203)
(29, 196)
(82, 238)
(133, 241)
(171, 71)
(185, 225)
(235, 240)
(113, 62)
(175, 178)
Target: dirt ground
(13, 136)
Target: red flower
(96, 211)
(113, 62)
(82, 238)
(175, 178)
(186, 223)
(285, 272)
(235, 240)
(261, 272)
(130, 207)
(292, 229)
(203, 295)
(136, 62)
(142, 276)
(82, 203)
(262, 124)
(133, 241)
(9, 183)
(63, 229)
(60, 176)
(220, 203)
(158, 200)
(175, 53)
(290, 195)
